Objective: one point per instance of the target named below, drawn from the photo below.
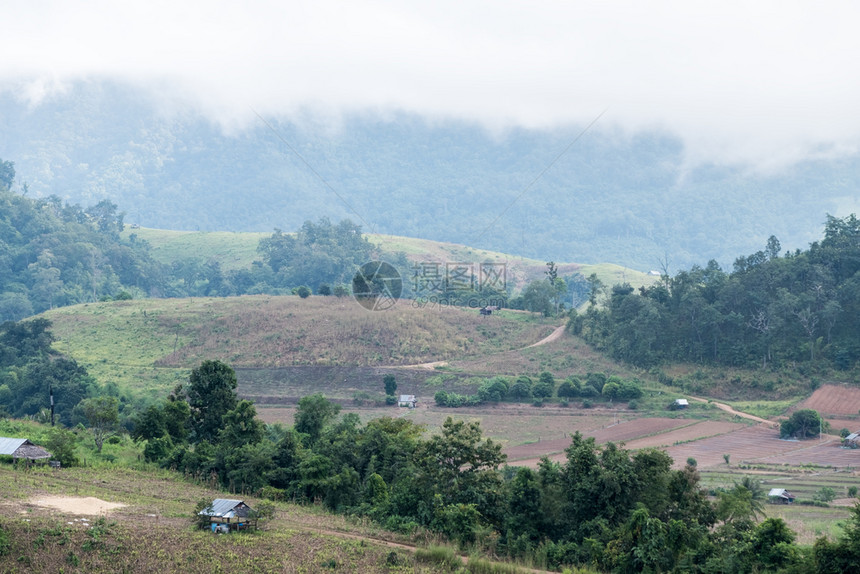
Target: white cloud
(764, 82)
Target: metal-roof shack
(780, 496)
(232, 514)
(407, 401)
(19, 448)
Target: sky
(756, 83)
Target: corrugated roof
(407, 398)
(779, 492)
(8, 446)
(223, 507)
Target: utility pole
(51, 391)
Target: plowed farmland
(760, 444)
(644, 432)
(833, 400)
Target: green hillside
(235, 250)
(150, 344)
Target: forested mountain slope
(631, 200)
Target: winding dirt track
(555, 335)
(729, 409)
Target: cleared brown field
(837, 424)
(696, 431)
(761, 444)
(833, 400)
(507, 424)
(529, 454)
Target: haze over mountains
(610, 196)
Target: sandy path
(729, 409)
(559, 331)
(555, 335)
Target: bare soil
(833, 400)
(89, 506)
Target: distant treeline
(613, 197)
(802, 308)
(54, 254)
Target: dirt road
(729, 409)
(555, 335)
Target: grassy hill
(150, 344)
(238, 250)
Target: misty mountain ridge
(630, 199)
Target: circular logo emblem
(377, 286)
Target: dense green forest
(627, 199)
(54, 254)
(798, 309)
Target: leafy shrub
(589, 391)
(439, 555)
(596, 380)
(493, 390)
(825, 494)
(586, 404)
(521, 389)
(633, 405)
(5, 543)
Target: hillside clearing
(151, 344)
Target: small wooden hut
(780, 496)
(230, 514)
(22, 448)
(407, 401)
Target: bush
(303, 291)
(493, 390)
(586, 404)
(596, 380)
(521, 389)
(825, 494)
(440, 556)
(340, 291)
(390, 400)
(201, 520)
(61, 444)
(5, 543)
(633, 405)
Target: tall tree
(314, 412)
(211, 394)
(103, 415)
